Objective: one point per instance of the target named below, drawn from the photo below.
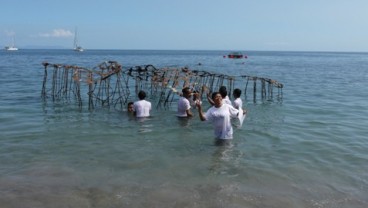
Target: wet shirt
(238, 103)
(221, 120)
(226, 100)
(142, 108)
(183, 106)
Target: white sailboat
(77, 47)
(11, 47)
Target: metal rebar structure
(109, 84)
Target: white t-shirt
(220, 118)
(183, 106)
(238, 103)
(142, 108)
(226, 100)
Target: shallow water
(307, 150)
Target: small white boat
(77, 47)
(12, 47)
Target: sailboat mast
(75, 38)
(77, 47)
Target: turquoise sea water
(309, 149)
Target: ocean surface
(308, 149)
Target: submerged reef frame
(110, 85)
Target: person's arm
(210, 99)
(233, 111)
(189, 113)
(200, 112)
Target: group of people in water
(219, 114)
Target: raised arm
(200, 112)
(210, 99)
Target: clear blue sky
(286, 25)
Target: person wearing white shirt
(184, 104)
(142, 107)
(196, 98)
(225, 98)
(220, 116)
(237, 103)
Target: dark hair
(237, 93)
(223, 91)
(214, 95)
(222, 88)
(141, 95)
(130, 103)
(185, 90)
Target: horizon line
(252, 50)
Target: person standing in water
(184, 104)
(142, 107)
(225, 98)
(196, 97)
(237, 103)
(219, 115)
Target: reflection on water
(225, 160)
(184, 122)
(145, 126)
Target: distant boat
(77, 47)
(236, 55)
(12, 47)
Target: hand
(198, 103)
(245, 111)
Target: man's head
(223, 91)
(186, 92)
(130, 107)
(217, 99)
(141, 95)
(237, 93)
